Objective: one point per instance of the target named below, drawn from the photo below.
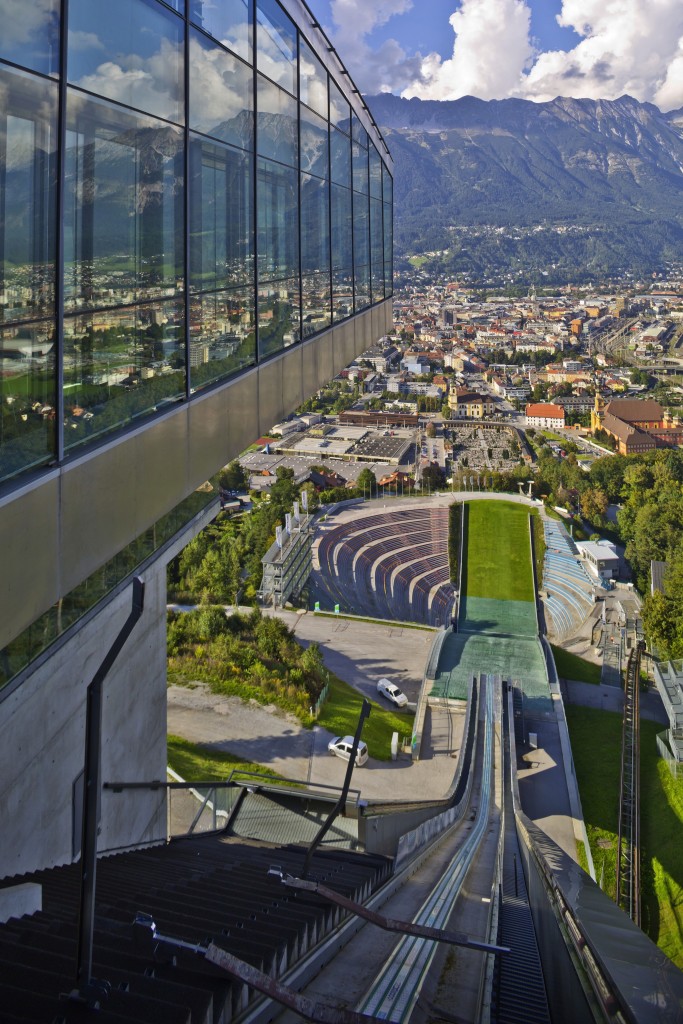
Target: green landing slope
(497, 625)
(498, 562)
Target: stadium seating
(392, 565)
(570, 590)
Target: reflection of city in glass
(200, 218)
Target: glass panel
(377, 250)
(119, 365)
(358, 131)
(362, 287)
(342, 235)
(342, 253)
(388, 250)
(28, 123)
(361, 231)
(361, 251)
(74, 605)
(227, 21)
(131, 52)
(340, 111)
(30, 34)
(221, 93)
(375, 173)
(314, 144)
(276, 123)
(278, 221)
(177, 5)
(123, 199)
(316, 304)
(342, 294)
(360, 168)
(276, 44)
(340, 153)
(312, 80)
(315, 225)
(221, 216)
(279, 316)
(222, 335)
(387, 185)
(27, 397)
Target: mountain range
(572, 189)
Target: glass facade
(184, 191)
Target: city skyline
(530, 49)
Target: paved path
(360, 653)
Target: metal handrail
(266, 782)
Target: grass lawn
(340, 714)
(661, 829)
(197, 763)
(596, 745)
(571, 666)
(498, 561)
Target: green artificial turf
(339, 714)
(498, 552)
(571, 666)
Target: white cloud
(383, 69)
(625, 46)
(491, 51)
(24, 22)
(84, 41)
(148, 83)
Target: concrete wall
(67, 522)
(42, 737)
(42, 731)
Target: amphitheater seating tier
(392, 565)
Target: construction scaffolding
(287, 563)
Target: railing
(200, 807)
(54, 623)
(675, 767)
(628, 846)
(324, 694)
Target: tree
(662, 625)
(594, 504)
(431, 430)
(233, 477)
(433, 478)
(367, 482)
(284, 491)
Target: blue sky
(536, 49)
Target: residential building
(545, 414)
(186, 265)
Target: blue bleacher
(570, 589)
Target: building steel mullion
(254, 176)
(59, 235)
(298, 183)
(186, 202)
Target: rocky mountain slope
(598, 183)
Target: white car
(387, 689)
(341, 746)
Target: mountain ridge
(612, 168)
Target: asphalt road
(360, 653)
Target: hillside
(585, 184)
